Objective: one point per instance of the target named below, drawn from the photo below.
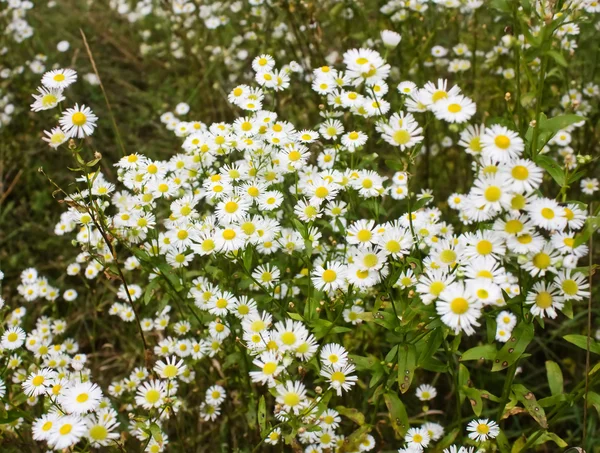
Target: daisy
(215, 395)
(543, 261)
(544, 300)
(458, 309)
(362, 233)
(426, 392)
(151, 394)
(13, 338)
(37, 383)
(55, 137)
(548, 214)
(454, 109)
(270, 367)
(292, 396)
(470, 139)
(42, 427)
(78, 122)
(80, 398)
(334, 354)
(266, 275)
(589, 185)
(66, 431)
(59, 78)
(483, 429)
(572, 285)
(340, 377)
(47, 99)
(523, 175)
(329, 278)
(417, 438)
(501, 144)
(170, 369)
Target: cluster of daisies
(287, 234)
(44, 365)
(249, 186)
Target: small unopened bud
(318, 390)
(533, 123)
(507, 96)
(97, 155)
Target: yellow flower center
(547, 213)
(570, 287)
(459, 305)
(291, 399)
(492, 194)
(454, 108)
(269, 368)
(541, 260)
(65, 429)
(329, 276)
(502, 141)
(520, 172)
(484, 247)
(543, 300)
(402, 137)
(78, 119)
(152, 396)
(513, 226)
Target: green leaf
(248, 254)
(11, 416)
(397, 411)
(487, 352)
(593, 400)
(353, 440)
(502, 442)
(474, 396)
(262, 416)
(552, 167)
(558, 57)
(560, 122)
(407, 362)
(592, 224)
(555, 377)
(394, 164)
(581, 341)
(548, 436)
(353, 414)
(527, 398)
(514, 347)
(364, 363)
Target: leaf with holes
(485, 352)
(407, 362)
(514, 347)
(527, 398)
(397, 411)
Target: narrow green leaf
(552, 167)
(558, 57)
(262, 416)
(555, 377)
(581, 341)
